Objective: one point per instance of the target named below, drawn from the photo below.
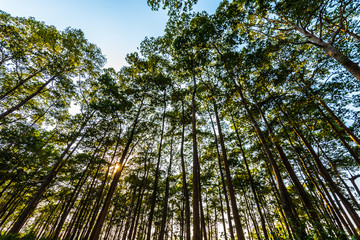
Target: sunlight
(117, 166)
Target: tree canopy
(242, 124)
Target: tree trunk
(223, 182)
(97, 229)
(312, 180)
(222, 213)
(202, 218)
(128, 218)
(142, 188)
(70, 204)
(196, 170)
(252, 185)
(334, 117)
(352, 179)
(342, 139)
(76, 192)
(341, 124)
(286, 202)
(157, 173)
(185, 188)
(165, 206)
(238, 226)
(355, 217)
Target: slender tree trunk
(100, 194)
(76, 191)
(340, 136)
(346, 218)
(252, 185)
(216, 222)
(286, 202)
(50, 217)
(238, 226)
(69, 205)
(312, 180)
(334, 207)
(251, 216)
(166, 199)
(336, 171)
(222, 213)
(12, 180)
(157, 173)
(223, 183)
(97, 229)
(284, 222)
(185, 188)
(138, 212)
(128, 218)
(196, 170)
(202, 219)
(352, 179)
(85, 204)
(340, 123)
(138, 202)
(11, 205)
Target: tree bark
(286, 202)
(222, 213)
(196, 170)
(97, 228)
(157, 173)
(165, 204)
(228, 209)
(252, 185)
(185, 187)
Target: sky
(116, 26)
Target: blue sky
(116, 26)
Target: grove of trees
(242, 124)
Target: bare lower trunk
(253, 189)
(97, 228)
(196, 165)
(238, 226)
(185, 188)
(165, 206)
(157, 173)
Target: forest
(242, 124)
